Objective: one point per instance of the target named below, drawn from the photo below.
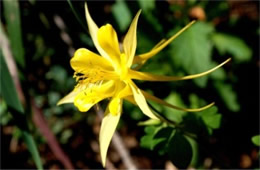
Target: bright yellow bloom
(110, 75)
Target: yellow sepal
(141, 101)
(108, 127)
(93, 29)
(130, 43)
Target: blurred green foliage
(256, 140)
(222, 133)
(10, 95)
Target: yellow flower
(110, 75)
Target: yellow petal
(144, 57)
(85, 60)
(108, 127)
(107, 39)
(157, 100)
(150, 77)
(141, 102)
(69, 98)
(93, 29)
(129, 42)
(93, 94)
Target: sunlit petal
(141, 102)
(150, 77)
(85, 60)
(108, 127)
(159, 101)
(107, 39)
(142, 58)
(129, 42)
(93, 94)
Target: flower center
(122, 70)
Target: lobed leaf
(228, 95)
(192, 50)
(233, 45)
(180, 150)
(122, 14)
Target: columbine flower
(110, 75)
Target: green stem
(163, 118)
(76, 15)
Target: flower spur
(110, 75)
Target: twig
(40, 122)
(63, 34)
(118, 144)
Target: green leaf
(180, 150)
(161, 139)
(155, 135)
(147, 9)
(193, 123)
(122, 14)
(12, 17)
(192, 50)
(219, 74)
(147, 139)
(211, 118)
(32, 148)
(233, 45)
(256, 140)
(146, 5)
(208, 119)
(228, 95)
(66, 134)
(173, 114)
(10, 96)
(4, 114)
(7, 89)
(195, 151)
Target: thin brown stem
(42, 124)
